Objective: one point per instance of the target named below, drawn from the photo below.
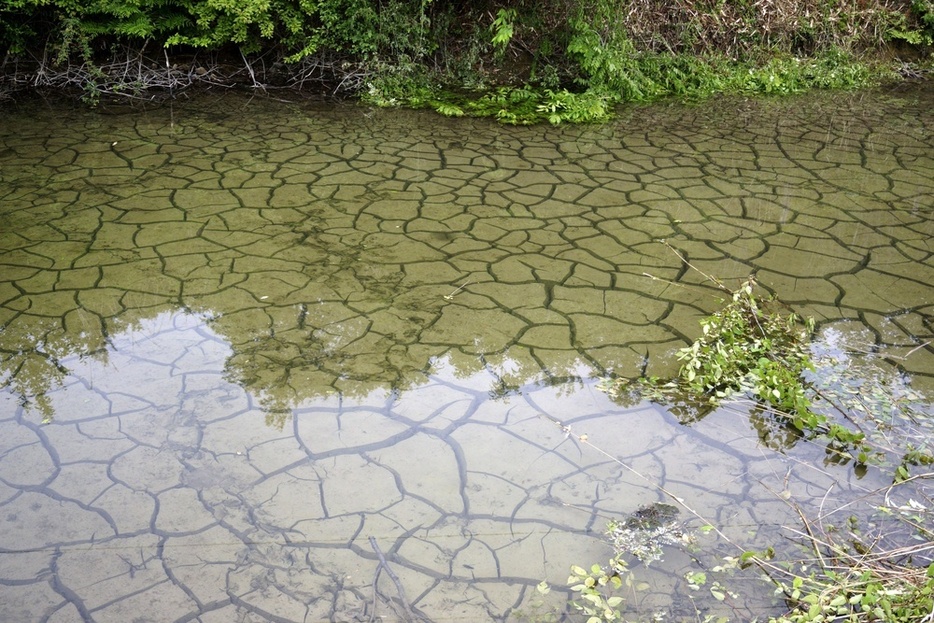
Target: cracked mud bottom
(242, 338)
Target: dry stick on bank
(136, 75)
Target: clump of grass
(855, 576)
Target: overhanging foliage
(406, 52)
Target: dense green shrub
(360, 28)
(576, 57)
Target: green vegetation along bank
(517, 60)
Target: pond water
(295, 362)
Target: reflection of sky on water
(476, 497)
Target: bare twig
(139, 74)
(909, 353)
(450, 296)
(584, 439)
(681, 257)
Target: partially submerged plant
(897, 421)
(751, 347)
(646, 532)
(595, 589)
(754, 347)
(642, 535)
(592, 587)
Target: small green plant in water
(595, 588)
(643, 535)
(748, 347)
(592, 587)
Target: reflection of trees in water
(298, 365)
(34, 351)
(329, 272)
(281, 363)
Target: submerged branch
(384, 565)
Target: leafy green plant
(401, 84)
(502, 29)
(860, 588)
(754, 347)
(609, 60)
(527, 106)
(787, 75)
(921, 33)
(749, 346)
(594, 588)
(587, 107)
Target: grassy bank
(519, 61)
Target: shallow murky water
(250, 347)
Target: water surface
(241, 336)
